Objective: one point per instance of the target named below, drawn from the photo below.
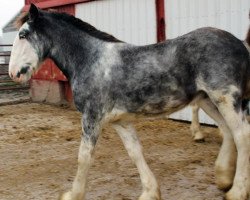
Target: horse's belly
(165, 106)
(148, 110)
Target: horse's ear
(33, 13)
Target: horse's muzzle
(22, 75)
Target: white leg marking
(241, 134)
(226, 161)
(84, 161)
(230, 109)
(195, 125)
(129, 138)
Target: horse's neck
(71, 55)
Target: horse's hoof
(198, 136)
(156, 195)
(224, 178)
(237, 194)
(65, 196)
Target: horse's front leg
(89, 137)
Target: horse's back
(170, 74)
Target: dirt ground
(39, 146)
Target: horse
(197, 134)
(115, 82)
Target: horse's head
(29, 48)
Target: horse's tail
(247, 40)
(248, 34)
(248, 37)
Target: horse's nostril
(24, 70)
(18, 74)
(11, 75)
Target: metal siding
(183, 16)
(133, 21)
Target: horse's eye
(22, 36)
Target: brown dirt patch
(39, 146)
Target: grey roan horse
(114, 82)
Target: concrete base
(47, 91)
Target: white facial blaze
(22, 55)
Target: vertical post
(160, 17)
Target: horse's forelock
(21, 19)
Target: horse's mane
(91, 30)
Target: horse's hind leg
(129, 138)
(195, 125)
(88, 141)
(229, 105)
(226, 161)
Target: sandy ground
(39, 146)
